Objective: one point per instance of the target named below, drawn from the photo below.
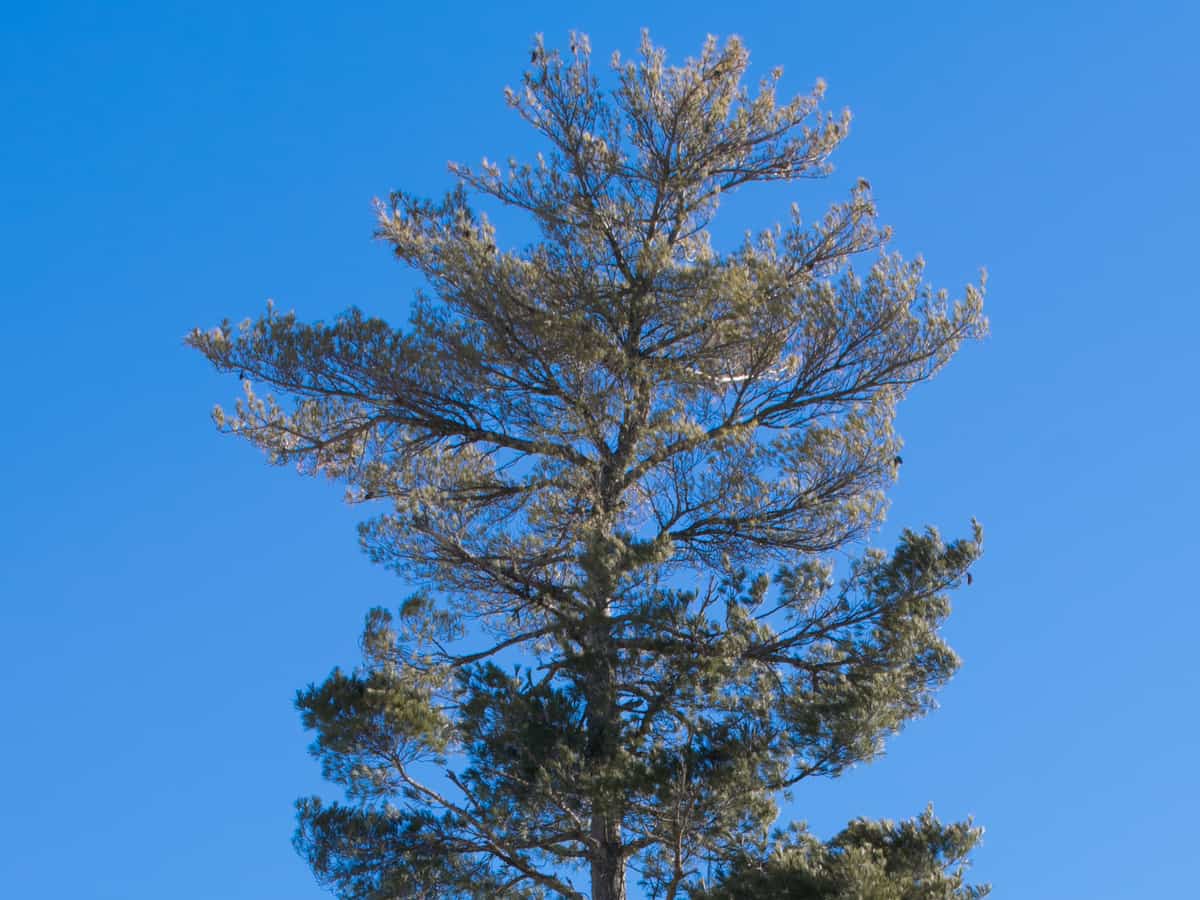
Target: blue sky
(163, 592)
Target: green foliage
(920, 859)
(624, 458)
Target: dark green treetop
(625, 458)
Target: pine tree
(619, 464)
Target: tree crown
(627, 455)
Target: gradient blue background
(163, 592)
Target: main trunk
(603, 729)
(601, 688)
(608, 864)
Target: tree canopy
(619, 464)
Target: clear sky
(163, 592)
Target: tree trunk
(608, 863)
(603, 737)
(603, 704)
